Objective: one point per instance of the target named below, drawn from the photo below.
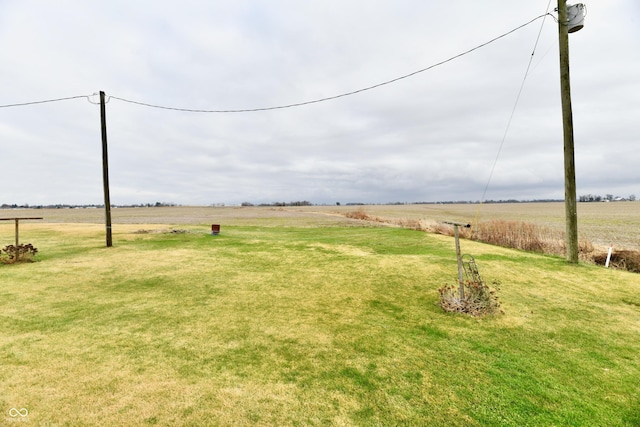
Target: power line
(45, 101)
(299, 104)
(513, 111)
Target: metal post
(105, 169)
(456, 234)
(571, 211)
(459, 257)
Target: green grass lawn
(308, 326)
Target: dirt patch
(343, 249)
(161, 231)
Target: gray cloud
(434, 136)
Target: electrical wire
(300, 104)
(45, 101)
(513, 111)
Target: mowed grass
(307, 326)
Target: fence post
(456, 233)
(459, 257)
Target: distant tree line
(89, 206)
(54, 206)
(605, 198)
(281, 204)
(583, 198)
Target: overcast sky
(434, 136)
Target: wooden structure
(17, 221)
(458, 255)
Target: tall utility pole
(105, 169)
(571, 209)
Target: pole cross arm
(17, 220)
(458, 224)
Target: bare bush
(359, 214)
(621, 260)
(12, 254)
(412, 224)
(443, 229)
(511, 234)
(478, 300)
(515, 235)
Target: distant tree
(589, 198)
(632, 197)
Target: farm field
(603, 224)
(303, 317)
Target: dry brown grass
(621, 260)
(519, 235)
(513, 234)
(602, 224)
(599, 224)
(410, 223)
(359, 214)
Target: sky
(486, 125)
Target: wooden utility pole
(571, 209)
(105, 169)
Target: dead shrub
(359, 214)
(528, 237)
(445, 230)
(620, 260)
(511, 234)
(428, 226)
(479, 299)
(12, 254)
(412, 224)
(585, 246)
